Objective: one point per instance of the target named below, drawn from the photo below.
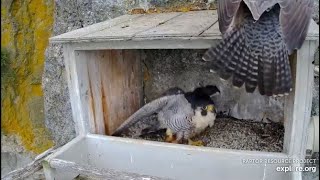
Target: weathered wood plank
(169, 160)
(313, 31)
(188, 24)
(109, 85)
(121, 85)
(30, 168)
(79, 117)
(154, 43)
(95, 99)
(84, 89)
(95, 27)
(148, 26)
(95, 173)
(298, 103)
(129, 29)
(213, 31)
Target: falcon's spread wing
(258, 37)
(295, 16)
(147, 110)
(227, 10)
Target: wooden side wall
(107, 88)
(298, 104)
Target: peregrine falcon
(183, 115)
(258, 36)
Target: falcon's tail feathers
(147, 110)
(234, 57)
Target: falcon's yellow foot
(195, 143)
(169, 136)
(175, 141)
(170, 139)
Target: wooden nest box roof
(174, 30)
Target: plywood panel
(85, 89)
(105, 88)
(81, 125)
(96, 100)
(116, 87)
(188, 24)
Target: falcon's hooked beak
(210, 108)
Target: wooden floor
(174, 25)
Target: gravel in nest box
(226, 133)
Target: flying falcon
(183, 115)
(258, 36)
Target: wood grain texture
(30, 168)
(164, 160)
(123, 86)
(298, 103)
(190, 24)
(130, 28)
(200, 25)
(95, 27)
(105, 88)
(73, 79)
(155, 43)
(85, 90)
(115, 87)
(96, 99)
(313, 31)
(213, 31)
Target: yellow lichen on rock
(26, 28)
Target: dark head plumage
(200, 97)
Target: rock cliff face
(26, 27)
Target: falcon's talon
(169, 136)
(170, 139)
(195, 143)
(175, 141)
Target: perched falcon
(183, 115)
(258, 36)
